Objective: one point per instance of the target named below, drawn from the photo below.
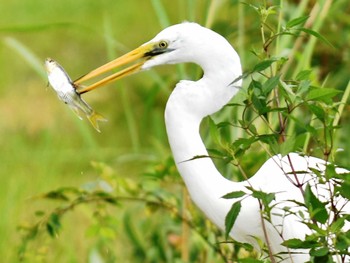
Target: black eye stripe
(160, 47)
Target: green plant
(273, 120)
(286, 106)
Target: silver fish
(66, 91)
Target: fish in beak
(135, 59)
(66, 91)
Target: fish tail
(94, 118)
(76, 111)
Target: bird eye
(163, 44)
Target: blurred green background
(44, 146)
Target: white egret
(188, 104)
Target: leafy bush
(285, 106)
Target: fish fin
(94, 118)
(76, 111)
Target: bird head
(181, 43)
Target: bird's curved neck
(189, 102)
(203, 181)
(190, 154)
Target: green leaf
(321, 94)
(214, 132)
(106, 197)
(337, 225)
(236, 194)
(39, 213)
(293, 243)
(318, 111)
(270, 84)
(316, 208)
(288, 145)
(56, 195)
(287, 91)
(250, 260)
(296, 21)
(266, 198)
(231, 217)
(255, 87)
(270, 139)
(241, 145)
(343, 241)
(297, 243)
(263, 65)
(316, 34)
(344, 190)
(303, 88)
(319, 252)
(53, 225)
(304, 74)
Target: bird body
(187, 105)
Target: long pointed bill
(139, 55)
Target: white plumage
(188, 104)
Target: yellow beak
(139, 55)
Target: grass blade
(161, 13)
(27, 55)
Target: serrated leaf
(236, 194)
(214, 133)
(243, 76)
(330, 171)
(296, 21)
(266, 198)
(241, 145)
(316, 208)
(231, 217)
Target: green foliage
(129, 204)
(278, 106)
(231, 217)
(317, 209)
